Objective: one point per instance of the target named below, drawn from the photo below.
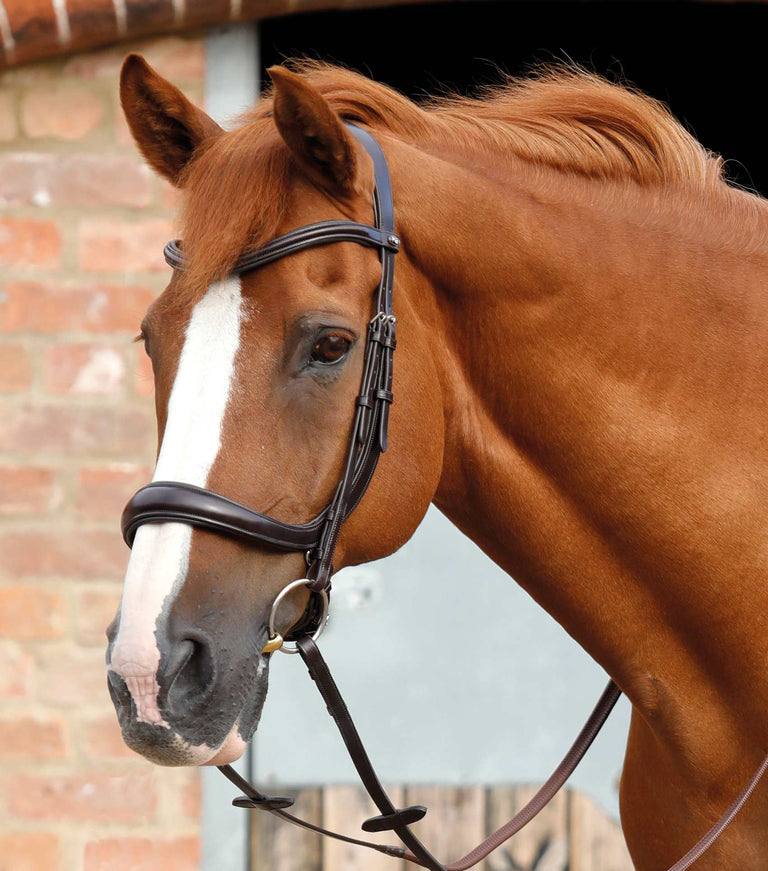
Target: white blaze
(160, 555)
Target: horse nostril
(189, 675)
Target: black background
(706, 60)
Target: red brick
(202, 12)
(104, 490)
(95, 611)
(29, 613)
(27, 490)
(104, 741)
(15, 369)
(95, 797)
(84, 369)
(55, 553)
(29, 242)
(123, 135)
(40, 179)
(116, 246)
(51, 307)
(34, 29)
(60, 113)
(143, 854)
(69, 677)
(30, 851)
(8, 127)
(191, 798)
(16, 670)
(170, 196)
(33, 738)
(102, 63)
(25, 75)
(251, 9)
(149, 16)
(91, 22)
(110, 432)
(177, 58)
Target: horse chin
(163, 746)
(231, 750)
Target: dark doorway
(706, 60)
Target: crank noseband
(175, 501)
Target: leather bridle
(163, 501)
(173, 501)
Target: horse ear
(314, 132)
(167, 128)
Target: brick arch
(34, 29)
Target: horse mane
(561, 117)
(564, 119)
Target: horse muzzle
(190, 701)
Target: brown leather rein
(165, 501)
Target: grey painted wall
(453, 674)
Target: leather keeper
(266, 803)
(388, 822)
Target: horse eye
(330, 349)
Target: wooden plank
(597, 843)
(276, 845)
(344, 809)
(542, 845)
(455, 821)
(571, 834)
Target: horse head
(256, 377)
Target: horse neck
(590, 448)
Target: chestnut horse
(580, 386)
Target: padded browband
(309, 236)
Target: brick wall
(82, 225)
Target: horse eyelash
(142, 337)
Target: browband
(321, 233)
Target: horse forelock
(235, 197)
